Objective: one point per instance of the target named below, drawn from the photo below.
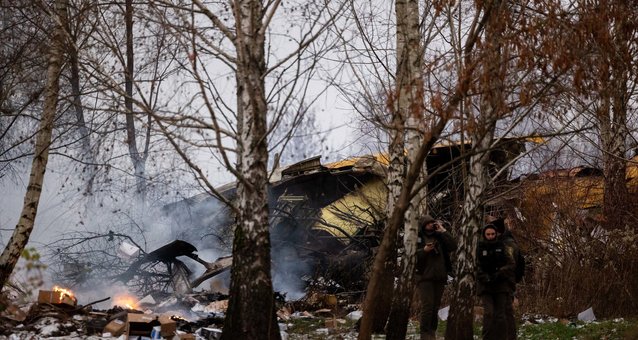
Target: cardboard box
(56, 298)
(142, 324)
(127, 251)
(115, 327)
(168, 326)
(210, 333)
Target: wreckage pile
(170, 307)
(195, 316)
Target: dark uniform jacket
(495, 267)
(434, 266)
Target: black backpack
(519, 257)
(519, 272)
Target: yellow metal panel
(360, 204)
(379, 157)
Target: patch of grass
(305, 326)
(549, 330)
(609, 329)
(308, 327)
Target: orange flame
(64, 292)
(178, 318)
(125, 301)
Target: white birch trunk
(409, 103)
(20, 236)
(492, 106)
(251, 309)
(461, 316)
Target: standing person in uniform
(495, 278)
(432, 267)
(505, 235)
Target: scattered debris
(127, 251)
(355, 315)
(11, 311)
(144, 324)
(147, 276)
(210, 333)
(443, 313)
(148, 300)
(587, 315)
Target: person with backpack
(505, 235)
(495, 281)
(432, 267)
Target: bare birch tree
(492, 74)
(440, 110)
(409, 104)
(251, 309)
(23, 229)
(241, 86)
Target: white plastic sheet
(443, 313)
(587, 315)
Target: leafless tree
(491, 108)
(23, 229)
(438, 110)
(23, 72)
(511, 84)
(409, 99)
(232, 54)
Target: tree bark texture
(251, 308)
(491, 80)
(85, 137)
(409, 104)
(394, 178)
(138, 159)
(460, 319)
(404, 291)
(395, 220)
(612, 111)
(20, 236)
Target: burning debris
(126, 301)
(57, 313)
(57, 296)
